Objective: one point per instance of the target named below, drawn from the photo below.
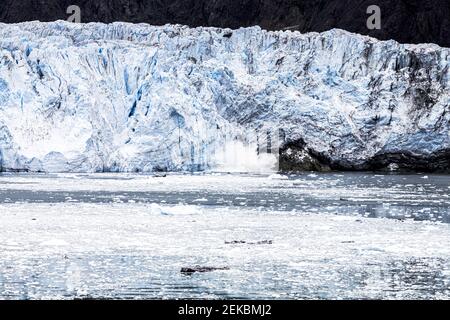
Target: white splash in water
(237, 156)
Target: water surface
(310, 236)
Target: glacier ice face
(135, 97)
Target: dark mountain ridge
(407, 21)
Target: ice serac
(125, 97)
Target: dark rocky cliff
(407, 21)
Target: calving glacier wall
(124, 97)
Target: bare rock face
(126, 97)
(407, 21)
(295, 156)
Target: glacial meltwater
(225, 236)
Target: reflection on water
(307, 237)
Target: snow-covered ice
(125, 97)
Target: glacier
(126, 97)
